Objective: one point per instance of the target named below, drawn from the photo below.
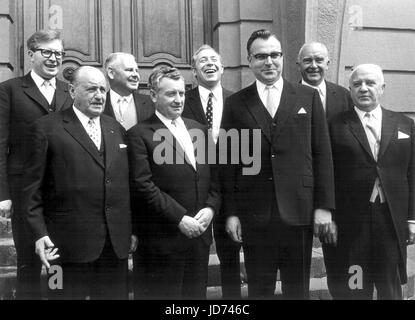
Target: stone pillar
(9, 49)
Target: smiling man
(124, 103)
(205, 104)
(22, 101)
(76, 194)
(273, 213)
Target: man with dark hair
(22, 101)
(313, 63)
(76, 193)
(174, 194)
(273, 213)
(124, 103)
(205, 105)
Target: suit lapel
(257, 109)
(61, 94)
(287, 104)
(331, 100)
(111, 146)
(358, 131)
(30, 89)
(74, 127)
(195, 106)
(142, 106)
(389, 127)
(109, 110)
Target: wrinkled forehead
(366, 74)
(207, 53)
(314, 51)
(168, 84)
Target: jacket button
(108, 180)
(273, 156)
(270, 179)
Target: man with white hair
(374, 162)
(124, 103)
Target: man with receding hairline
(76, 194)
(374, 165)
(124, 103)
(22, 101)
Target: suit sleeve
(214, 197)
(34, 172)
(145, 194)
(322, 159)
(411, 176)
(4, 140)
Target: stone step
(7, 252)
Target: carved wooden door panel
(156, 32)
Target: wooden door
(156, 32)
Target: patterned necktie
(94, 133)
(209, 111)
(272, 100)
(374, 139)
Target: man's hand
(190, 227)
(46, 251)
(204, 217)
(133, 243)
(6, 208)
(324, 227)
(411, 233)
(234, 229)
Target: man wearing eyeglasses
(22, 101)
(273, 213)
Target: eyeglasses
(264, 56)
(48, 53)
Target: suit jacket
(143, 106)
(356, 171)
(74, 193)
(163, 193)
(21, 103)
(193, 108)
(296, 171)
(338, 100)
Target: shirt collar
(83, 117)
(39, 80)
(262, 86)
(321, 87)
(168, 122)
(376, 113)
(115, 97)
(204, 92)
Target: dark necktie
(209, 111)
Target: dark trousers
(179, 275)
(376, 250)
(335, 270)
(28, 263)
(228, 254)
(105, 278)
(276, 246)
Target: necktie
(322, 98)
(122, 106)
(272, 105)
(374, 136)
(183, 137)
(209, 111)
(94, 133)
(48, 91)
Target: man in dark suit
(76, 193)
(124, 103)
(374, 164)
(273, 212)
(22, 101)
(175, 194)
(205, 105)
(313, 63)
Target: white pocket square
(123, 146)
(302, 111)
(402, 135)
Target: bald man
(124, 103)
(374, 162)
(313, 63)
(76, 193)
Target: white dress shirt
(125, 113)
(47, 92)
(263, 91)
(84, 119)
(217, 105)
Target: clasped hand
(194, 227)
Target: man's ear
(110, 73)
(153, 96)
(72, 90)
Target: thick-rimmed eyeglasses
(46, 53)
(264, 56)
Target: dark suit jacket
(164, 193)
(356, 172)
(338, 100)
(193, 108)
(74, 194)
(144, 106)
(296, 169)
(21, 103)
